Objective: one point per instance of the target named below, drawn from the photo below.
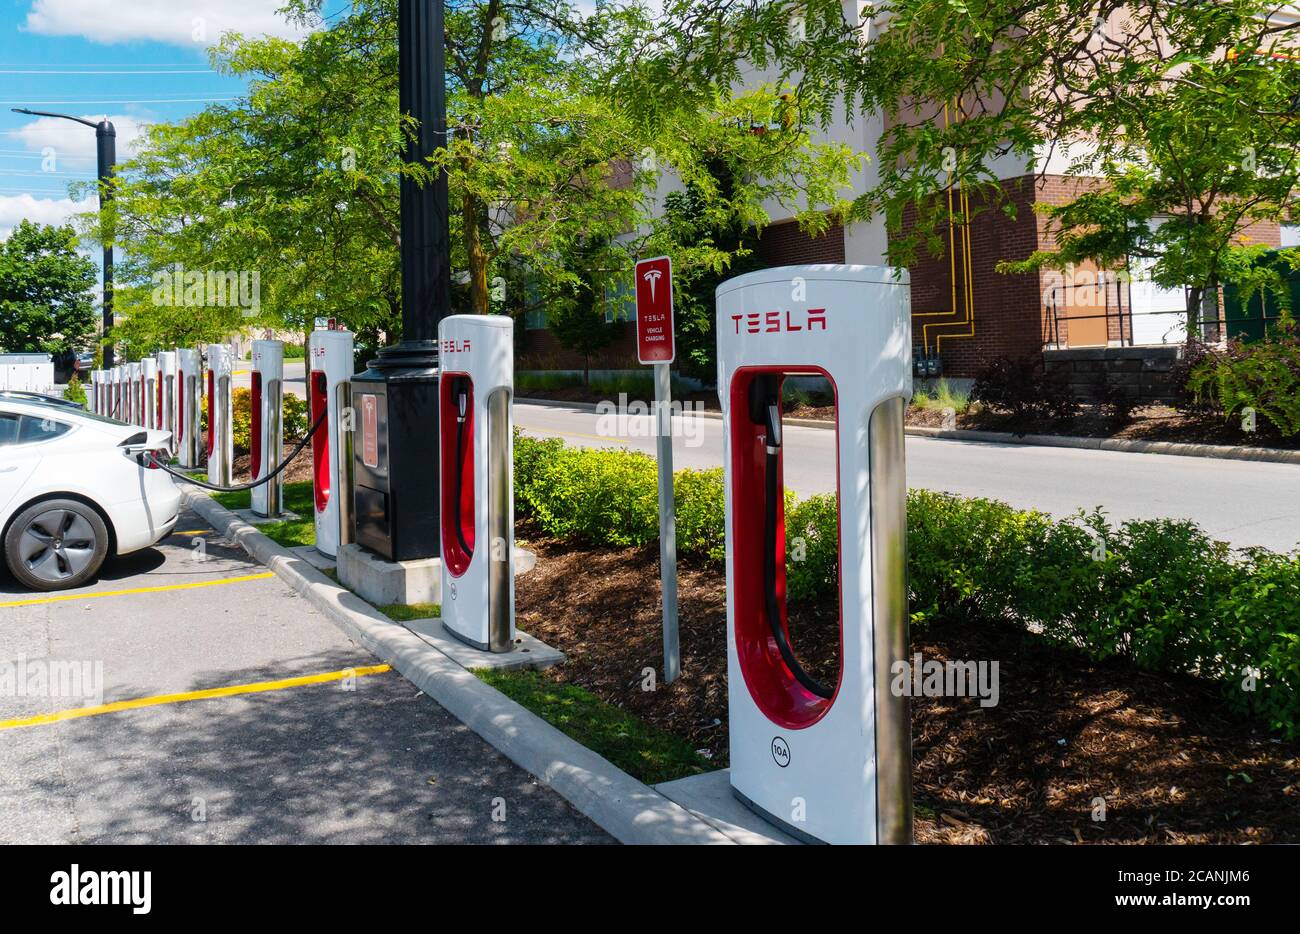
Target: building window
(535, 320)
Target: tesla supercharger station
(115, 376)
(828, 759)
(166, 389)
(475, 390)
(131, 402)
(189, 371)
(266, 437)
(220, 435)
(96, 387)
(330, 355)
(150, 389)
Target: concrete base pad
(381, 581)
(313, 557)
(528, 652)
(709, 798)
(253, 518)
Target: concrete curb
(1177, 449)
(628, 810)
(1174, 448)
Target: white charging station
(220, 437)
(266, 437)
(133, 393)
(189, 376)
(112, 379)
(96, 403)
(330, 359)
(152, 389)
(167, 392)
(829, 759)
(476, 444)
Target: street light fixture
(106, 154)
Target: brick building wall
(993, 314)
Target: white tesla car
(74, 489)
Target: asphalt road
(295, 376)
(1240, 502)
(365, 759)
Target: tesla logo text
(769, 322)
(780, 751)
(455, 346)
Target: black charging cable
(772, 416)
(255, 483)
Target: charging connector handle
(772, 500)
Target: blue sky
(135, 61)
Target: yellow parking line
(119, 593)
(258, 687)
(193, 532)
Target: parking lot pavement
(314, 741)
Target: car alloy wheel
(56, 544)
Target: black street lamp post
(395, 501)
(106, 157)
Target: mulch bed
(298, 471)
(1148, 423)
(1171, 763)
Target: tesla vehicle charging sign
(654, 311)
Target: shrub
(1158, 593)
(1263, 376)
(1023, 388)
(74, 391)
(293, 414)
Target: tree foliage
(46, 297)
(553, 170)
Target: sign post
(655, 345)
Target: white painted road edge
(625, 808)
(1179, 449)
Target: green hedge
(1159, 593)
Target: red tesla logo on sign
(654, 310)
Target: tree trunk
(478, 261)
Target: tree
(1191, 111)
(546, 157)
(46, 302)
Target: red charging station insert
(770, 681)
(457, 505)
(158, 401)
(320, 441)
(180, 404)
(212, 408)
(255, 442)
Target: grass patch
(291, 532)
(643, 751)
(941, 395)
(401, 613)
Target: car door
(19, 456)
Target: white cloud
(180, 22)
(73, 145)
(14, 208)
